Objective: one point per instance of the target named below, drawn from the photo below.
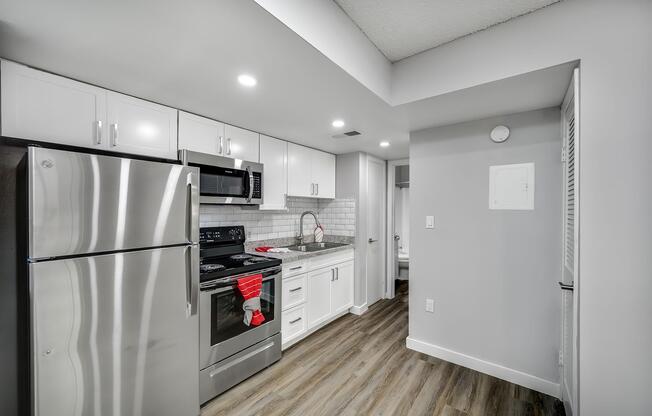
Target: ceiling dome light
(247, 80)
(384, 144)
(338, 123)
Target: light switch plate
(430, 305)
(430, 221)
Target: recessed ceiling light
(338, 123)
(384, 144)
(247, 80)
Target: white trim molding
(496, 370)
(359, 310)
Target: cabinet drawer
(295, 268)
(293, 323)
(294, 291)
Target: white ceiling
(401, 28)
(188, 54)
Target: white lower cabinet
(315, 292)
(319, 295)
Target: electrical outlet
(430, 305)
(430, 221)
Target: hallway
(360, 366)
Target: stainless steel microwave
(223, 180)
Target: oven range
(230, 349)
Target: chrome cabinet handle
(221, 146)
(566, 286)
(312, 189)
(371, 240)
(114, 134)
(295, 289)
(98, 132)
(317, 189)
(332, 275)
(337, 273)
(296, 268)
(228, 146)
(294, 321)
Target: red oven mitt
(250, 288)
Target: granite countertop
(250, 247)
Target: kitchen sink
(310, 247)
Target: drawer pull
(295, 321)
(295, 289)
(296, 268)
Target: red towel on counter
(250, 288)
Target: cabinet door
(323, 174)
(141, 127)
(342, 288)
(241, 144)
(319, 296)
(200, 134)
(274, 157)
(45, 107)
(300, 171)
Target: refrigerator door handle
(192, 280)
(192, 231)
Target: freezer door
(82, 203)
(116, 334)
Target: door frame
(382, 237)
(389, 238)
(572, 406)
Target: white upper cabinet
(311, 173)
(300, 171)
(241, 144)
(274, 157)
(141, 127)
(200, 134)
(323, 174)
(45, 107)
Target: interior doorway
(398, 225)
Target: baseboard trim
(359, 310)
(496, 370)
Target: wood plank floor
(360, 366)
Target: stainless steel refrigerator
(113, 272)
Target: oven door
(223, 180)
(222, 331)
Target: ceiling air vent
(351, 133)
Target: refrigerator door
(115, 334)
(83, 203)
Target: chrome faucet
(300, 237)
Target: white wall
(613, 41)
(493, 274)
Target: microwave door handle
(251, 184)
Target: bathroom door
(570, 269)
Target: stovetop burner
(241, 256)
(205, 268)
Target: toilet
(403, 265)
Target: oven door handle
(250, 191)
(221, 289)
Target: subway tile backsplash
(337, 216)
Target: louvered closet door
(570, 127)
